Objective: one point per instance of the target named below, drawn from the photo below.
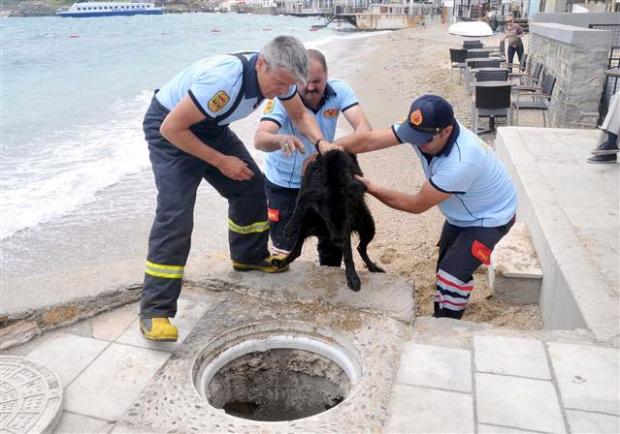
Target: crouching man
(464, 178)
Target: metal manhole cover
(30, 397)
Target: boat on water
(104, 9)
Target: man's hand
(370, 187)
(234, 168)
(288, 145)
(325, 146)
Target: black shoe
(603, 159)
(606, 146)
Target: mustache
(311, 91)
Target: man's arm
(357, 118)
(175, 129)
(267, 139)
(367, 141)
(305, 122)
(426, 198)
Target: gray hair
(288, 53)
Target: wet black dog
(331, 206)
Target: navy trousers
(177, 176)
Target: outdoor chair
(491, 100)
(457, 60)
(538, 100)
(491, 74)
(475, 43)
(477, 63)
(478, 53)
(529, 80)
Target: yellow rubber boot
(159, 329)
(267, 265)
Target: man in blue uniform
(325, 99)
(464, 178)
(186, 127)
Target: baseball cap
(427, 116)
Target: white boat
(104, 9)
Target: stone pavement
(452, 377)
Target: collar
(449, 144)
(327, 94)
(250, 77)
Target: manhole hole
(30, 396)
(277, 375)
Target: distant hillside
(31, 8)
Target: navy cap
(427, 116)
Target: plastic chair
(457, 60)
(474, 43)
(491, 102)
(537, 100)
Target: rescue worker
(325, 99)
(186, 127)
(465, 179)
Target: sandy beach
(78, 256)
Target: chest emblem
(330, 113)
(268, 108)
(219, 101)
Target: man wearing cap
(464, 178)
(325, 99)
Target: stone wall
(578, 58)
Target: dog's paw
(354, 282)
(374, 268)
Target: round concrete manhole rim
(267, 336)
(34, 386)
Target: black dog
(331, 206)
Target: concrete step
(515, 274)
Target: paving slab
(67, 355)
(494, 429)
(588, 422)
(517, 402)
(511, 356)
(587, 376)
(307, 282)
(571, 210)
(109, 385)
(422, 410)
(438, 367)
(191, 305)
(73, 423)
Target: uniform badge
(481, 252)
(269, 104)
(330, 113)
(219, 101)
(416, 117)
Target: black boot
(607, 147)
(603, 159)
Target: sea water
(73, 94)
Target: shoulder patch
(219, 101)
(330, 113)
(269, 104)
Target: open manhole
(275, 376)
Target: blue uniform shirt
(286, 171)
(214, 85)
(482, 193)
